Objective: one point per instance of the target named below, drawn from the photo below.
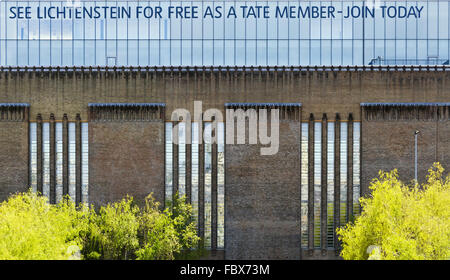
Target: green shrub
(165, 234)
(112, 233)
(159, 240)
(401, 222)
(31, 228)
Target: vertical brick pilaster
(52, 159)
(65, 133)
(337, 180)
(311, 184)
(324, 181)
(78, 192)
(350, 169)
(40, 178)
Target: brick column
(52, 138)
(78, 191)
(40, 158)
(350, 169)
(65, 132)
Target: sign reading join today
(216, 11)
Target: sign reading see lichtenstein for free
(215, 10)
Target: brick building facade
(284, 206)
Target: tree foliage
(31, 228)
(401, 221)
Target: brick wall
(388, 140)
(13, 149)
(126, 154)
(262, 198)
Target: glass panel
(84, 162)
(330, 185)
(195, 170)
(304, 186)
(343, 173)
(72, 161)
(46, 159)
(208, 174)
(181, 159)
(169, 170)
(221, 186)
(59, 161)
(317, 182)
(356, 167)
(66, 40)
(33, 156)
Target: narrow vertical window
(343, 214)
(169, 171)
(356, 167)
(330, 184)
(46, 159)
(205, 172)
(181, 159)
(72, 160)
(195, 170)
(59, 161)
(208, 185)
(221, 186)
(33, 156)
(84, 162)
(317, 181)
(304, 186)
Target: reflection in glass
(194, 171)
(84, 161)
(46, 159)
(221, 186)
(343, 172)
(208, 177)
(226, 41)
(181, 159)
(72, 161)
(59, 161)
(330, 185)
(33, 156)
(317, 182)
(356, 167)
(304, 186)
(169, 167)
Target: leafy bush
(112, 233)
(158, 234)
(401, 222)
(31, 228)
(166, 234)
